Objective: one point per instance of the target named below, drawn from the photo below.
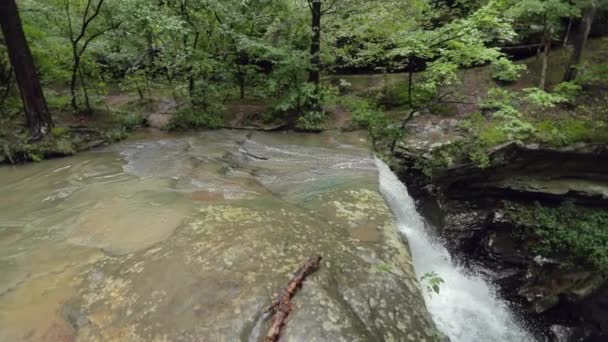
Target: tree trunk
(38, 118)
(8, 83)
(410, 86)
(241, 79)
(314, 76)
(242, 61)
(85, 92)
(580, 40)
(567, 36)
(315, 46)
(75, 68)
(548, 32)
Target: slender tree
(37, 116)
(315, 46)
(580, 40)
(548, 14)
(314, 75)
(79, 42)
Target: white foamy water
(466, 309)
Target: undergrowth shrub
(578, 233)
(312, 121)
(368, 116)
(569, 91)
(543, 99)
(571, 130)
(189, 117)
(506, 71)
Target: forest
(68, 64)
(494, 113)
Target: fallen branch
(281, 306)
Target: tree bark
(315, 47)
(548, 32)
(580, 40)
(7, 81)
(314, 75)
(567, 35)
(410, 86)
(75, 68)
(37, 115)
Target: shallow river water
(187, 237)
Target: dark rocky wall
(476, 210)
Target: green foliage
(344, 86)
(189, 117)
(115, 135)
(496, 99)
(312, 121)
(486, 134)
(58, 132)
(432, 282)
(127, 121)
(571, 130)
(513, 124)
(509, 122)
(542, 12)
(441, 157)
(57, 101)
(505, 70)
(48, 147)
(370, 117)
(543, 99)
(569, 91)
(593, 75)
(577, 232)
(384, 267)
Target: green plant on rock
(432, 282)
(593, 75)
(512, 123)
(384, 267)
(441, 157)
(506, 71)
(571, 130)
(496, 99)
(368, 116)
(509, 123)
(568, 90)
(576, 232)
(486, 133)
(543, 99)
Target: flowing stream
(466, 309)
(185, 237)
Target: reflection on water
(59, 217)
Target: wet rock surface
(474, 208)
(189, 238)
(230, 259)
(161, 118)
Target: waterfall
(467, 308)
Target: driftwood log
(281, 306)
